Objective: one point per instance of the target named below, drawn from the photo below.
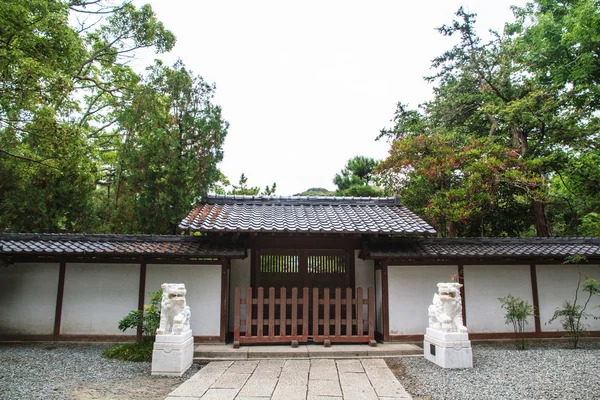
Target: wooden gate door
(303, 268)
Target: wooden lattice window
(279, 263)
(326, 264)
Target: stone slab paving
(292, 379)
(227, 352)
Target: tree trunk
(541, 224)
(451, 227)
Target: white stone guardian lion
(445, 314)
(174, 313)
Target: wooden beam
(59, 299)
(536, 301)
(461, 280)
(224, 296)
(141, 295)
(385, 305)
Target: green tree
(59, 86)
(173, 136)
(357, 178)
(243, 189)
(492, 95)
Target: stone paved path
(292, 379)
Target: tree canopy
(357, 178)
(508, 145)
(86, 144)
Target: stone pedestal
(172, 354)
(448, 349)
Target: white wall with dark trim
(557, 283)
(28, 298)
(203, 285)
(411, 290)
(484, 284)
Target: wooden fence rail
(286, 319)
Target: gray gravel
(77, 371)
(546, 370)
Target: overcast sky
(307, 85)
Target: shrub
(571, 313)
(149, 320)
(518, 311)
(139, 351)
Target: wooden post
(536, 301)
(294, 312)
(236, 317)
(315, 329)
(271, 313)
(260, 311)
(305, 297)
(348, 311)
(282, 312)
(360, 323)
(338, 312)
(249, 305)
(326, 318)
(372, 342)
(60, 290)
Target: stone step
(213, 352)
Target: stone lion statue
(174, 312)
(445, 314)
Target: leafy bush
(518, 311)
(139, 351)
(571, 313)
(149, 318)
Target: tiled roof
(486, 247)
(302, 214)
(117, 245)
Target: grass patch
(131, 351)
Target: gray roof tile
(304, 214)
(485, 247)
(118, 245)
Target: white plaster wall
(363, 272)
(557, 283)
(97, 296)
(203, 285)
(239, 276)
(484, 284)
(411, 289)
(28, 298)
(378, 302)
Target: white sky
(307, 85)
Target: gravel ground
(77, 371)
(546, 370)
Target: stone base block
(172, 354)
(448, 353)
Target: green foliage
(87, 145)
(242, 188)
(357, 178)
(518, 311)
(141, 351)
(149, 319)
(571, 314)
(509, 142)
